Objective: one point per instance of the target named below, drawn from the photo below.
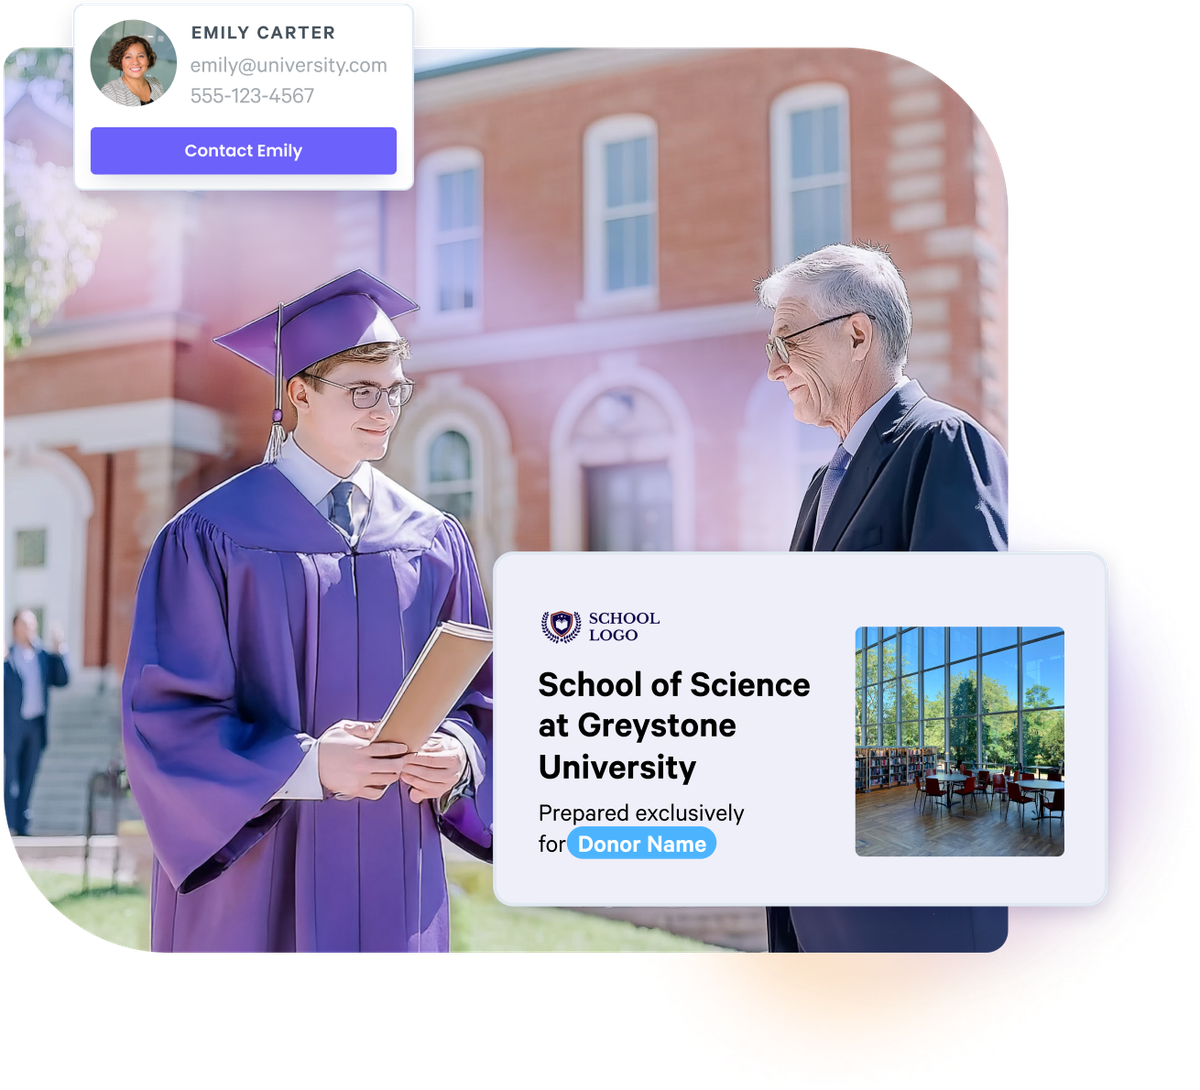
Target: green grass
(120, 916)
(478, 922)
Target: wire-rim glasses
(367, 397)
(777, 346)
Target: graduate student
(276, 616)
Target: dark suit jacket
(926, 477)
(54, 672)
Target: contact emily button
(641, 842)
(238, 150)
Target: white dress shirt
(26, 662)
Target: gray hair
(838, 279)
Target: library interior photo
(959, 741)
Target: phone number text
(251, 95)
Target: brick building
(584, 237)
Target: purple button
(243, 151)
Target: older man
(29, 671)
(909, 473)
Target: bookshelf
(877, 767)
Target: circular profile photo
(133, 63)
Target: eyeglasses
(367, 397)
(777, 346)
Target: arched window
(450, 237)
(451, 482)
(810, 170)
(620, 181)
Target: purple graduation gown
(255, 623)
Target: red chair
(999, 787)
(1014, 795)
(1047, 810)
(1008, 772)
(933, 789)
(967, 787)
(920, 789)
(1027, 775)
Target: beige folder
(450, 659)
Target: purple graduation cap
(352, 309)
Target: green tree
(51, 230)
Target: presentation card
(742, 729)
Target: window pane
(1033, 633)
(1000, 681)
(830, 158)
(935, 734)
(908, 653)
(962, 740)
(458, 274)
(1043, 668)
(909, 734)
(31, 548)
(450, 458)
(962, 692)
(935, 706)
(458, 200)
(872, 665)
(629, 507)
(858, 638)
(1000, 739)
(889, 702)
(816, 218)
(872, 707)
(627, 172)
(457, 504)
(1044, 737)
(935, 649)
(962, 643)
(888, 663)
(628, 252)
(802, 144)
(908, 697)
(998, 637)
(889, 632)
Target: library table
(950, 779)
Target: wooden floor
(887, 823)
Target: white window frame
(430, 319)
(810, 96)
(597, 299)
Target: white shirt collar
(312, 479)
(857, 433)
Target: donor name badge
(743, 729)
(641, 842)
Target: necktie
(833, 477)
(339, 514)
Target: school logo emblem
(561, 627)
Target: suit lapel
(877, 447)
(802, 536)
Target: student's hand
(57, 638)
(352, 766)
(435, 768)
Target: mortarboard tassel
(278, 435)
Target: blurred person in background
(29, 671)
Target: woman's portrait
(133, 57)
(133, 63)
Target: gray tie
(829, 486)
(339, 514)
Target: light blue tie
(829, 486)
(339, 515)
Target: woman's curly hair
(118, 51)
